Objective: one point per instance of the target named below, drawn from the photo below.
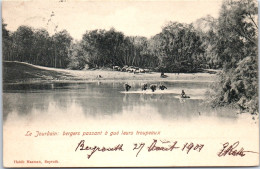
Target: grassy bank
(19, 72)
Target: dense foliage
(178, 48)
(228, 42)
(236, 48)
(36, 46)
(101, 48)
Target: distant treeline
(228, 42)
(178, 48)
(36, 46)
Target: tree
(207, 30)
(237, 31)
(61, 44)
(22, 44)
(237, 49)
(7, 41)
(78, 58)
(179, 47)
(91, 42)
(41, 48)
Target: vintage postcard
(132, 83)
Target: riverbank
(20, 72)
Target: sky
(133, 18)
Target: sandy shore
(20, 72)
(93, 75)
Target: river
(105, 106)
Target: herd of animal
(153, 87)
(131, 69)
(145, 87)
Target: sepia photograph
(134, 83)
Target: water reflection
(99, 99)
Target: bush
(238, 87)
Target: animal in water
(162, 87)
(153, 87)
(127, 87)
(144, 86)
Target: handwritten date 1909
(168, 146)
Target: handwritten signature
(233, 150)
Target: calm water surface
(106, 107)
(109, 99)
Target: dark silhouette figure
(144, 86)
(99, 76)
(153, 87)
(162, 87)
(183, 95)
(127, 87)
(163, 75)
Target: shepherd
(183, 95)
